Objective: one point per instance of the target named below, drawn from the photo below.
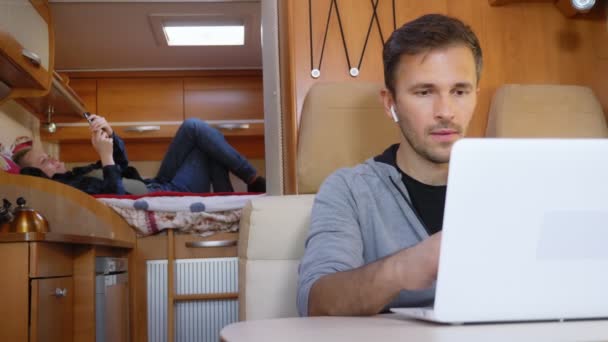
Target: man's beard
(421, 151)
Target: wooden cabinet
(147, 108)
(52, 309)
(224, 98)
(86, 89)
(48, 287)
(60, 104)
(26, 48)
(140, 100)
(52, 292)
(46, 271)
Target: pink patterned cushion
(7, 164)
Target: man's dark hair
(18, 157)
(431, 31)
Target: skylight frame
(160, 21)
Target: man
(376, 228)
(199, 157)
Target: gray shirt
(360, 215)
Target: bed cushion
(8, 165)
(6, 162)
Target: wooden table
(394, 328)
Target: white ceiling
(118, 35)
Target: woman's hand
(104, 145)
(99, 123)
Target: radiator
(194, 320)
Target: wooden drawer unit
(50, 260)
(52, 309)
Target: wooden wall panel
(150, 99)
(222, 98)
(529, 42)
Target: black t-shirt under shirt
(428, 200)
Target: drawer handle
(208, 244)
(142, 129)
(60, 292)
(32, 57)
(231, 126)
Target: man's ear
(387, 101)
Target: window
(204, 35)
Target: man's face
(38, 159)
(436, 94)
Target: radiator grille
(157, 300)
(203, 276)
(203, 320)
(194, 320)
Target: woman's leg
(191, 175)
(220, 177)
(194, 135)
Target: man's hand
(99, 123)
(367, 289)
(104, 145)
(417, 266)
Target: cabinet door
(86, 89)
(224, 98)
(140, 99)
(26, 54)
(52, 309)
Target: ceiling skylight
(205, 35)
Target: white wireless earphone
(395, 117)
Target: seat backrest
(342, 125)
(546, 111)
(271, 242)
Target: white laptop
(525, 232)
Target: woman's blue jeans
(200, 157)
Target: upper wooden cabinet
(26, 48)
(146, 109)
(61, 102)
(224, 98)
(87, 91)
(140, 99)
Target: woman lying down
(198, 158)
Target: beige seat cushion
(546, 111)
(342, 125)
